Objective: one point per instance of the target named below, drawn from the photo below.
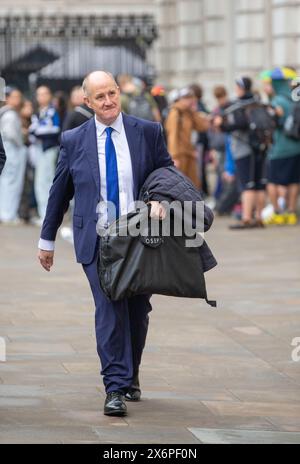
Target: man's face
(104, 99)
(15, 100)
(43, 96)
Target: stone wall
(202, 40)
(213, 41)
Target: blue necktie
(112, 180)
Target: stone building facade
(210, 41)
(215, 40)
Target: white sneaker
(267, 213)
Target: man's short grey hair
(86, 79)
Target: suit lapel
(134, 139)
(91, 150)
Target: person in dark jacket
(250, 166)
(80, 113)
(2, 156)
(226, 191)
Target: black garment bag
(134, 261)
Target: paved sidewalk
(208, 375)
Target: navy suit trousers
(121, 331)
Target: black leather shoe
(134, 392)
(133, 395)
(114, 404)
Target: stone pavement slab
(244, 437)
(207, 375)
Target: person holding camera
(248, 155)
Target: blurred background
(170, 58)
(174, 41)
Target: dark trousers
(121, 330)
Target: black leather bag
(148, 264)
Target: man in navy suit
(107, 158)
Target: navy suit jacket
(2, 155)
(78, 174)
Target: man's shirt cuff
(46, 245)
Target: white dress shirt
(125, 174)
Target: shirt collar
(116, 125)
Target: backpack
(261, 126)
(292, 124)
(140, 107)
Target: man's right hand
(46, 259)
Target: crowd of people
(251, 143)
(255, 155)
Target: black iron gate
(61, 50)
